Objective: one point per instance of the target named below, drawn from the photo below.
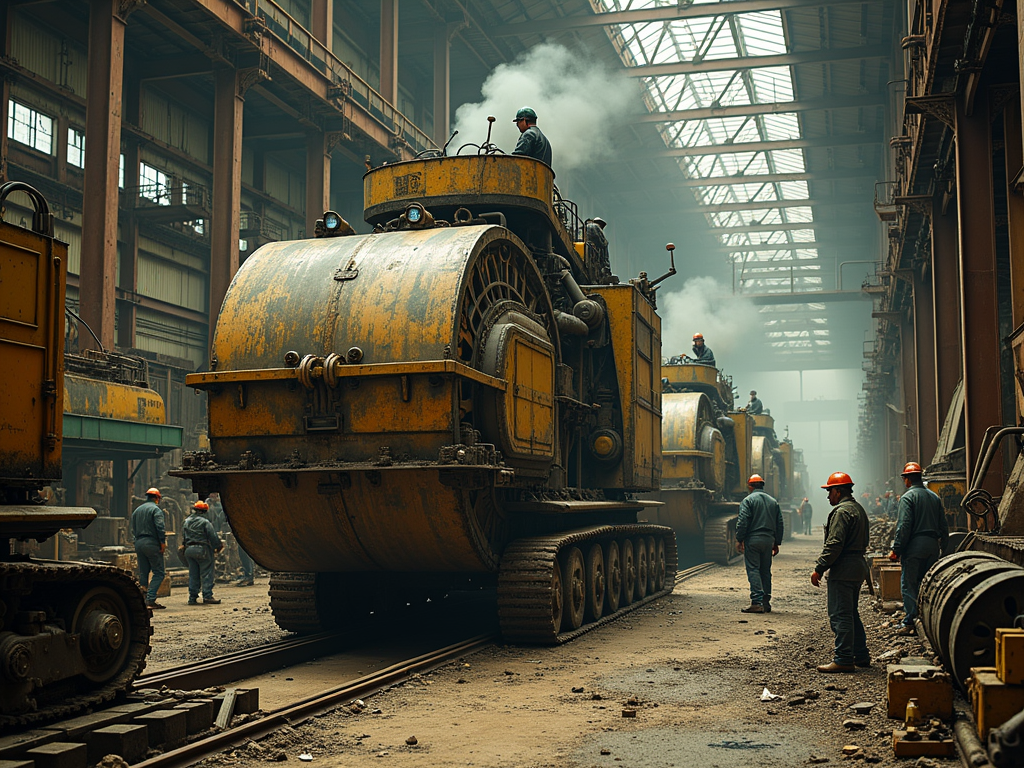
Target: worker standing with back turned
(921, 534)
(150, 542)
(759, 531)
(846, 541)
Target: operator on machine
(759, 531)
(596, 245)
(755, 407)
(201, 544)
(921, 534)
(150, 542)
(702, 353)
(532, 143)
(846, 541)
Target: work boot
(863, 663)
(833, 667)
(753, 608)
(244, 583)
(193, 601)
(211, 601)
(906, 631)
(155, 605)
(767, 606)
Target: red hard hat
(698, 336)
(838, 478)
(755, 479)
(912, 468)
(201, 505)
(153, 492)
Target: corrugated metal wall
(174, 124)
(166, 335)
(55, 58)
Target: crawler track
(65, 589)
(720, 539)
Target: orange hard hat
(755, 479)
(698, 336)
(201, 505)
(838, 478)
(153, 492)
(805, 498)
(912, 468)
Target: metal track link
(525, 594)
(720, 539)
(72, 696)
(293, 602)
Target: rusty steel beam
(911, 431)
(759, 205)
(822, 56)
(923, 331)
(845, 174)
(389, 49)
(442, 82)
(1015, 204)
(787, 227)
(103, 146)
(321, 22)
(677, 12)
(225, 220)
(843, 140)
(318, 178)
(770, 108)
(946, 298)
(979, 298)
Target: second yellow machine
(450, 398)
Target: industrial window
(76, 148)
(154, 184)
(27, 126)
(120, 172)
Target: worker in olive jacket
(846, 541)
(758, 536)
(921, 534)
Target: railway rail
(249, 663)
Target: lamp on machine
(332, 225)
(417, 217)
(649, 288)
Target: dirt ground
(691, 666)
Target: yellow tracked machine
(450, 399)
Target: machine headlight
(332, 221)
(413, 214)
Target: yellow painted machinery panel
(689, 374)
(32, 280)
(744, 430)
(532, 397)
(635, 330)
(112, 400)
(764, 421)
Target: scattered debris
(279, 757)
(113, 761)
(629, 713)
(767, 695)
(794, 701)
(817, 760)
(853, 724)
(578, 690)
(605, 751)
(851, 749)
(863, 707)
(412, 741)
(306, 757)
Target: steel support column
(321, 22)
(1015, 208)
(442, 83)
(924, 349)
(227, 187)
(946, 299)
(103, 148)
(128, 259)
(911, 432)
(389, 49)
(7, 17)
(318, 178)
(978, 296)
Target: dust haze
(730, 323)
(579, 103)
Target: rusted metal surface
(946, 292)
(979, 299)
(924, 347)
(911, 431)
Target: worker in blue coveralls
(201, 544)
(150, 543)
(758, 536)
(921, 534)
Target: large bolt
(16, 659)
(103, 632)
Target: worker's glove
(815, 578)
(894, 557)
(739, 546)
(775, 550)
(163, 547)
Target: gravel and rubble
(690, 669)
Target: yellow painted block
(932, 688)
(1010, 655)
(994, 702)
(889, 582)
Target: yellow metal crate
(994, 702)
(889, 582)
(932, 688)
(1010, 655)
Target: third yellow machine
(451, 398)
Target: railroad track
(687, 573)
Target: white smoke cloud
(579, 101)
(730, 324)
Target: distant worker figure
(755, 407)
(201, 544)
(806, 511)
(596, 250)
(846, 541)
(921, 534)
(150, 542)
(759, 531)
(702, 354)
(532, 142)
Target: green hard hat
(526, 112)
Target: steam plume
(730, 323)
(579, 103)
